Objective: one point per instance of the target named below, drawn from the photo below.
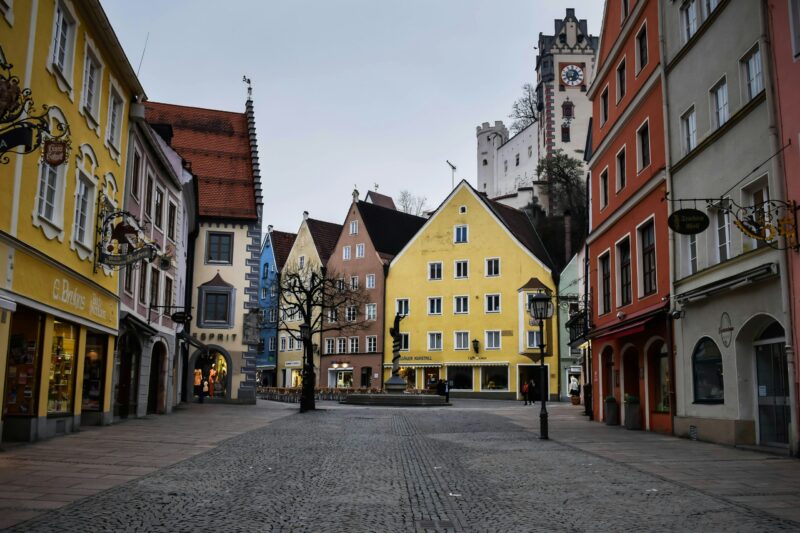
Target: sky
(347, 93)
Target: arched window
(485, 162)
(567, 109)
(707, 372)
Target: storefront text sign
(688, 221)
(416, 358)
(293, 364)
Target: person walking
(447, 391)
(525, 392)
(531, 395)
(574, 386)
(212, 379)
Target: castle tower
(490, 138)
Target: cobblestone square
(478, 466)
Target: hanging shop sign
(688, 221)
(55, 152)
(23, 128)
(181, 317)
(122, 241)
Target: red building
(784, 22)
(628, 241)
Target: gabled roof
(217, 145)
(388, 229)
(282, 242)
(380, 199)
(216, 281)
(325, 235)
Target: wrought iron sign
(121, 241)
(23, 129)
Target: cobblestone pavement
(385, 470)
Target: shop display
(62, 363)
(93, 372)
(22, 369)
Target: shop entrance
(127, 377)
(773, 387)
(344, 379)
(534, 372)
(213, 367)
(431, 378)
(155, 392)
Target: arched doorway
(155, 390)
(772, 382)
(631, 388)
(214, 365)
(125, 395)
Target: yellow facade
(64, 305)
(494, 371)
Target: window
(462, 209)
(64, 42)
(493, 266)
(534, 338)
(333, 315)
(136, 169)
(341, 345)
(350, 313)
(360, 250)
(624, 255)
(91, 84)
(283, 344)
(215, 307)
(434, 271)
(707, 372)
(752, 69)
(605, 284)
(461, 234)
(462, 269)
(159, 208)
(517, 160)
(155, 281)
(372, 344)
(567, 111)
(461, 304)
(604, 106)
(460, 377)
(723, 235)
(273, 315)
(264, 293)
(621, 170)
(330, 346)
(689, 19)
(48, 187)
(461, 340)
(301, 261)
(691, 253)
(129, 279)
(492, 303)
(219, 248)
(272, 342)
(404, 342)
(711, 5)
(603, 188)
(565, 133)
(172, 214)
(401, 306)
(485, 162)
(148, 197)
(689, 130)
(648, 239)
(623, 9)
(372, 311)
(168, 292)
(494, 378)
(530, 154)
(114, 118)
(354, 227)
(291, 343)
(435, 305)
(719, 103)
(142, 282)
(505, 165)
(794, 23)
(346, 252)
(643, 146)
(84, 201)
(353, 344)
(354, 283)
(621, 81)
(492, 340)
(434, 341)
(265, 271)
(641, 49)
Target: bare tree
(524, 111)
(314, 301)
(413, 205)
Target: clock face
(572, 75)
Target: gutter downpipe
(671, 242)
(777, 184)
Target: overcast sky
(347, 92)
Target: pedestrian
(198, 383)
(574, 387)
(440, 387)
(212, 374)
(447, 391)
(525, 392)
(531, 396)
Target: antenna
(452, 175)
(147, 38)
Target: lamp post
(305, 335)
(541, 308)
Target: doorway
(772, 387)
(213, 367)
(535, 373)
(128, 377)
(154, 391)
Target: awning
(631, 327)
(7, 305)
(478, 363)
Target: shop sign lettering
(416, 358)
(65, 293)
(688, 221)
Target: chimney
(355, 195)
(567, 236)
(305, 215)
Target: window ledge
(63, 83)
(113, 150)
(91, 119)
(82, 249)
(50, 229)
(708, 402)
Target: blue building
(274, 251)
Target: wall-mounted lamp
(475, 345)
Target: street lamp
(540, 307)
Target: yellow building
(463, 284)
(58, 307)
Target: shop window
(460, 377)
(494, 378)
(94, 372)
(707, 372)
(410, 377)
(661, 381)
(62, 365)
(23, 363)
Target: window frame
(622, 282)
(360, 250)
(90, 107)
(172, 220)
(370, 281)
(431, 348)
(486, 299)
(622, 85)
(397, 306)
(486, 263)
(371, 342)
(330, 346)
(603, 184)
(63, 71)
(689, 14)
(84, 179)
(641, 63)
(116, 104)
(621, 170)
(722, 215)
(716, 121)
(432, 300)
(604, 107)
(640, 163)
(493, 332)
(158, 207)
(459, 263)
(347, 253)
(456, 305)
(455, 340)
(207, 258)
(644, 277)
(353, 227)
(689, 130)
(604, 282)
(458, 228)
(372, 316)
(441, 270)
(691, 254)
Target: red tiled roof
(325, 235)
(380, 199)
(282, 242)
(217, 144)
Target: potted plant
(612, 411)
(633, 412)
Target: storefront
(60, 335)
(292, 374)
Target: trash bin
(633, 413)
(612, 411)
